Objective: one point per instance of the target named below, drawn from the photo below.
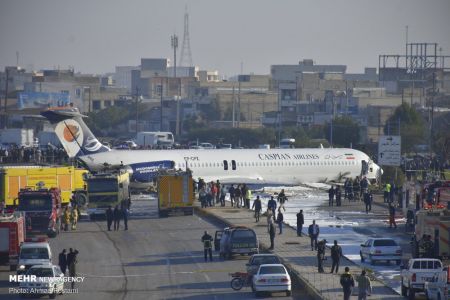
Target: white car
(207, 146)
(49, 281)
(272, 278)
(377, 249)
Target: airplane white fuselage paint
(265, 166)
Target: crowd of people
(13, 154)
(213, 193)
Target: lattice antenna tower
(186, 54)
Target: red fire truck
(42, 209)
(12, 234)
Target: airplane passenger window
(233, 165)
(225, 165)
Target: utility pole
(331, 123)
(137, 109)
(161, 103)
(233, 115)
(239, 104)
(5, 119)
(174, 44)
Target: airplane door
(364, 168)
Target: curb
(310, 290)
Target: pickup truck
(416, 273)
(438, 287)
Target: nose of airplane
(379, 170)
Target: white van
(154, 138)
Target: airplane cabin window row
(233, 164)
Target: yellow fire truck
(175, 193)
(67, 179)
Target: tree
(345, 132)
(441, 136)
(412, 126)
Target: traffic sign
(389, 150)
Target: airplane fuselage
(258, 166)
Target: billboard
(389, 150)
(42, 100)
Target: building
(122, 77)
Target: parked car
(49, 281)
(419, 271)
(237, 240)
(272, 278)
(261, 259)
(207, 146)
(378, 249)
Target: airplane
(229, 166)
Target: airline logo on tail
(73, 133)
(72, 137)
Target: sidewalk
(297, 255)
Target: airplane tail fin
(76, 138)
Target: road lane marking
(159, 273)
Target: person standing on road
(280, 219)
(257, 207)
(282, 199)
(364, 286)
(347, 283)
(272, 205)
(271, 233)
(237, 196)
(223, 193)
(109, 217)
(392, 216)
(331, 196)
(300, 222)
(73, 266)
(231, 191)
(321, 255)
(386, 192)
(207, 245)
(117, 217)
(367, 201)
(202, 197)
(66, 219)
(248, 196)
(269, 216)
(336, 254)
(219, 190)
(125, 214)
(338, 196)
(62, 261)
(313, 232)
(74, 217)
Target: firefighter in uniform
(207, 245)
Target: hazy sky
(95, 36)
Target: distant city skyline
(95, 36)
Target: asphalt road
(154, 259)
